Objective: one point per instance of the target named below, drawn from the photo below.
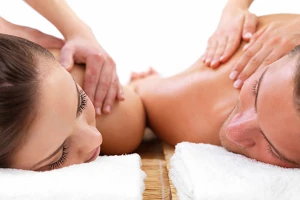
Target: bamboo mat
(168, 151)
(157, 184)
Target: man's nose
(244, 130)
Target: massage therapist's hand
(101, 82)
(265, 47)
(236, 23)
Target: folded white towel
(203, 171)
(106, 178)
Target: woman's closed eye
(83, 102)
(62, 159)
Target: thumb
(66, 58)
(249, 26)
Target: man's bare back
(193, 105)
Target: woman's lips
(95, 155)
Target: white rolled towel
(106, 178)
(203, 171)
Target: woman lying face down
(47, 121)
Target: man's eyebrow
(258, 86)
(49, 157)
(256, 97)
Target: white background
(166, 34)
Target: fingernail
(207, 61)
(98, 111)
(107, 109)
(233, 75)
(245, 47)
(212, 63)
(221, 58)
(248, 35)
(237, 83)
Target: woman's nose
(243, 130)
(87, 139)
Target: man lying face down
(260, 121)
(265, 122)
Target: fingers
(259, 35)
(218, 53)
(254, 62)
(239, 67)
(120, 94)
(273, 56)
(66, 57)
(253, 55)
(107, 86)
(249, 26)
(111, 94)
(219, 50)
(94, 65)
(231, 46)
(210, 50)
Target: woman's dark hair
(19, 87)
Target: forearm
(60, 15)
(243, 4)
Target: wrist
(75, 29)
(242, 4)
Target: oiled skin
(193, 105)
(190, 106)
(122, 130)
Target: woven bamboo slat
(168, 151)
(154, 165)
